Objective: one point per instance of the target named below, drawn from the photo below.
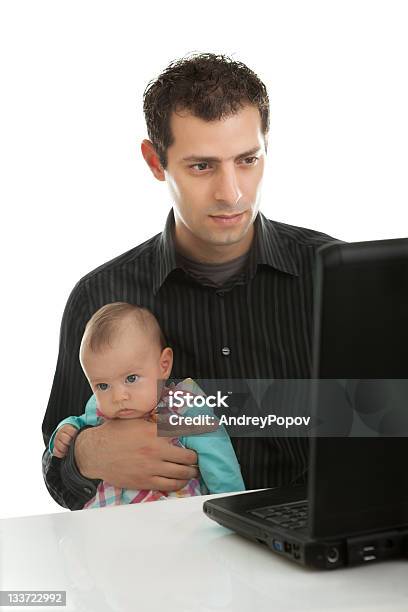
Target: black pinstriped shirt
(257, 325)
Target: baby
(126, 360)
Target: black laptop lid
(361, 341)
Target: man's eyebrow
(205, 158)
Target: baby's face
(125, 377)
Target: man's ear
(166, 362)
(152, 160)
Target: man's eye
(200, 166)
(132, 378)
(102, 386)
(250, 161)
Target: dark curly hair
(210, 86)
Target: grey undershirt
(211, 274)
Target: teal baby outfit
(218, 466)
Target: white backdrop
(75, 191)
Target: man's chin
(226, 237)
(227, 241)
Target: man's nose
(227, 189)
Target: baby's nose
(120, 393)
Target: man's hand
(63, 439)
(127, 453)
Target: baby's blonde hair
(105, 324)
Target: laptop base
(234, 512)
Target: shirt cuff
(83, 488)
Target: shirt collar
(165, 254)
(268, 248)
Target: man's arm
(129, 454)
(65, 483)
(69, 393)
(70, 389)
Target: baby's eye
(132, 378)
(102, 386)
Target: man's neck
(205, 252)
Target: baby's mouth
(126, 412)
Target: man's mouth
(227, 219)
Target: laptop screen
(359, 481)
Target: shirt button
(220, 293)
(87, 490)
(226, 351)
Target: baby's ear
(166, 362)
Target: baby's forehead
(130, 335)
(114, 360)
(137, 331)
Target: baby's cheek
(99, 410)
(103, 408)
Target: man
(231, 290)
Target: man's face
(214, 174)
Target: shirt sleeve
(217, 462)
(69, 394)
(64, 481)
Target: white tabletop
(167, 555)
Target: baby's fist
(63, 439)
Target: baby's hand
(63, 439)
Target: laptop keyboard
(289, 516)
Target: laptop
(354, 508)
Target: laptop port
(332, 554)
(368, 549)
(368, 553)
(288, 547)
(277, 545)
